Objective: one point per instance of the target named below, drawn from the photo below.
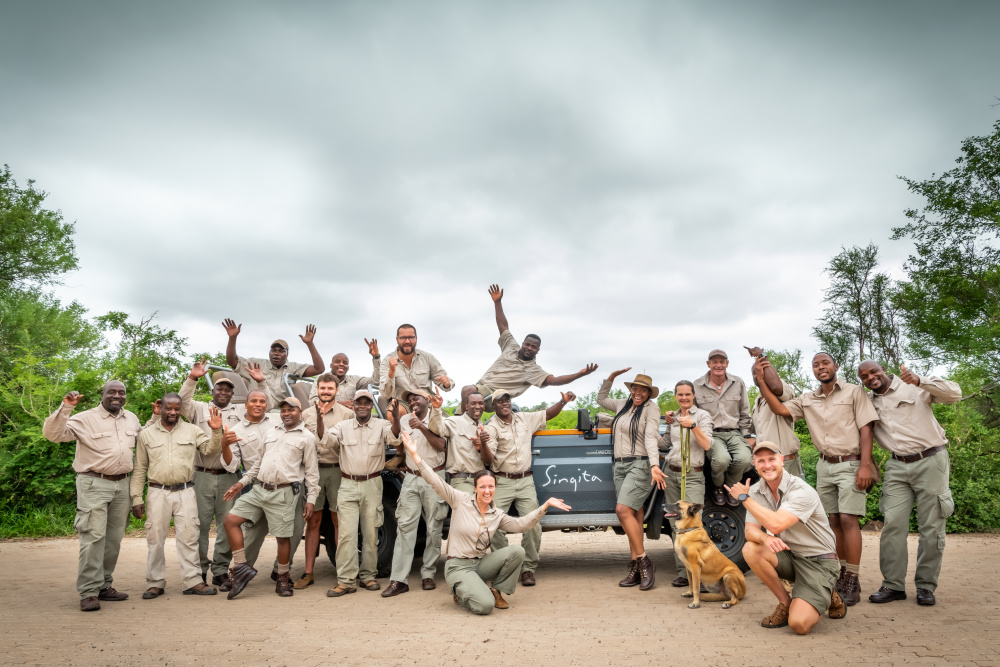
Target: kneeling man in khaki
(799, 545)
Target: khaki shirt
(835, 421)
(250, 447)
(420, 377)
(730, 409)
(459, 432)
(770, 427)
(361, 447)
(351, 384)
(511, 443)
(906, 422)
(274, 377)
(424, 450)
(198, 413)
(648, 436)
(338, 413)
(289, 456)
(470, 532)
(672, 439)
(167, 457)
(510, 372)
(104, 442)
(811, 535)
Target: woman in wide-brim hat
(635, 435)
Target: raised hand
(309, 335)
(444, 380)
(156, 406)
(908, 376)
(496, 293)
(230, 437)
(410, 447)
(394, 410)
(754, 351)
(588, 369)
(436, 400)
(484, 435)
(233, 491)
(372, 347)
(253, 370)
(738, 488)
(414, 422)
(685, 420)
(199, 369)
(615, 374)
(558, 504)
(214, 418)
(568, 397)
(72, 398)
(232, 329)
(393, 362)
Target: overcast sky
(647, 181)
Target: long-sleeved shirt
(199, 413)
(511, 443)
(249, 449)
(361, 447)
(729, 409)
(470, 532)
(648, 436)
(274, 377)
(420, 376)
(351, 384)
(289, 456)
(672, 439)
(770, 427)
(835, 421)
(424, 449)
(324, 449)
(511, 373)
(906, 422)
(104, 442)
(459, 432)
(167, 457)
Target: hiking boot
(839, 586)
(851, 589)
(778, 618)
(305, 581)
(719, 496)
(109, 594)
(647, 573)
(222, 581)
(428, 584)
(284, 585)
(239, 576)
(201, 589)
(925, 597)
(632, 577)
(527, 578)
(90, 604)
(885, 594)
(680, 582)
(837, 607)
(498, 600)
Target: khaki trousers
(182, 507)
(417, 498)
(102, 509)
(359, 505)
(794, 466)
(253, 536)
(468, 577)
(730, 456)
(209, 489)
(464, 484)
(695, 493)
(521, 494)
(925, 481)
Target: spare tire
(724, 525)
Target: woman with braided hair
(688, 437)
(635, 434)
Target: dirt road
(576, 615)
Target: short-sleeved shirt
(338, 413)
(104, 442)
(906, 422)
(424, 449)
(729, 409)
(673, 438)
(835, 421)
(351, 384)
(420, 376)
(250, 447)
(459, 432)
(648, 436)
(167, 457)
(361, 447)
(511, 443)
(811, 535)
(198, 413)
(770, 427)
(274, 377)
(511, 373)
(289, 456)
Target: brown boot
(647, 573)
(632, 577)
(109, 594)
(240, 575)
(527, 578)
(222, 581)
(837, 607)
(777, 619)
(850, 590)
(498, 600)
(839, 586)
(90, 604)
(284, 585)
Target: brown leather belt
(824, 557)
(462, 475)
(677, 468)
(274, 487)
(329, 465)
(791, 456)
(113, 478)
(626, 459)
(362, 478)
(514, 475)
(911, 458)
(414, 472)
(171, 487)
(212, 471)
(840, 459)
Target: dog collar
(685, 530)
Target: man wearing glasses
(407, 369)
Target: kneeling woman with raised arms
(474, 519)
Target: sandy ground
(576, 615)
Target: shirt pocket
(421, 376)
(292, 452)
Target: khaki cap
(500, 393)
(643, 381)
(218, 377)
(291, 400)
(718, 353)
(281, 343)
(364, 393)
(766, 445)
(405, 398)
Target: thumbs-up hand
(908, 376)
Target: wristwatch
(743, 497)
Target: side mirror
(584, 423)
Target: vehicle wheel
(725, 525)
(386, 537)
(327, 537)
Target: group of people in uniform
(296, 459)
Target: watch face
(742, 497)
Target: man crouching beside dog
(798, 546)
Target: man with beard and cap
(165, 452)
(105, 440)
(333, 412)
(410, 369)
(515, 370)
(348, 385)
(276, 366)
(417, 498)
(771, 427)
(509, 445)
(840, 417)
(360, 443)
(917, 470)
(465, 435)
(289, 457)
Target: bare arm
(497, 295)
(772, 380)
(559, 380)
(777, 407)
(557, 407)
(317, 366)
(233, 330)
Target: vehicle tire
(724, 526)
(386, 537)
(326, 537)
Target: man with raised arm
(509, 445)
(276, 366)
(409, 369)
(348, 385)
(465, 435)
(840, 417)
(917, 470)
(105, 440)
(769, 426)
(515, 370)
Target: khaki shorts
(277, 506)
(813, 578)
(633, 482)
(837, 488)
(329, 486)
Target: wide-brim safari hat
(644, 381)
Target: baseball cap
(218, 377)
(500, 393)
(291, 400)
(715, 353)
(363, 393)
(766, 445)
(281, 343)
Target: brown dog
(703, 561)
